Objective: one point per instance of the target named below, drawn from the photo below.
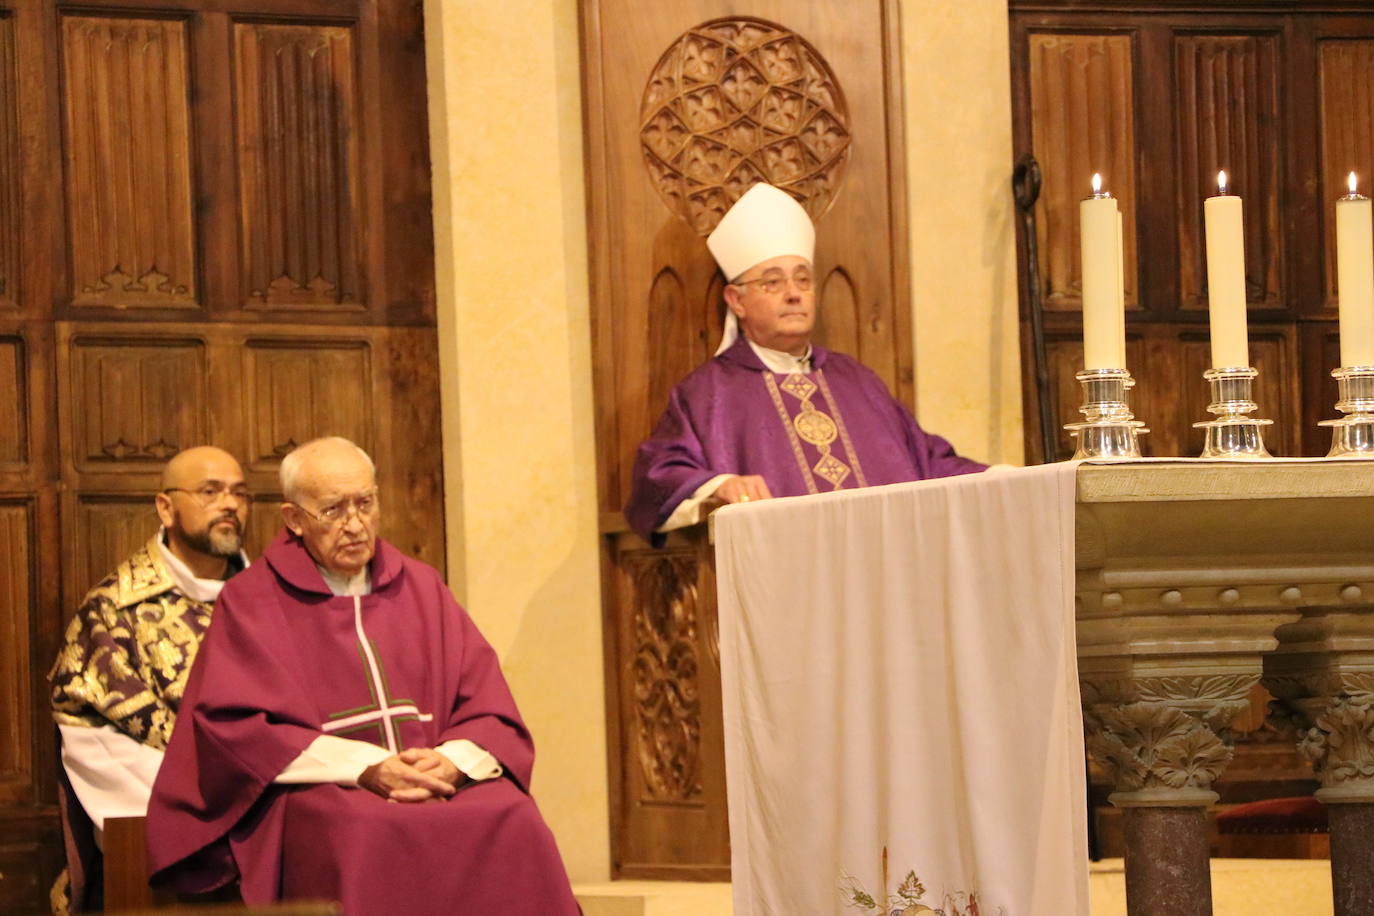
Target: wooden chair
(127, 890)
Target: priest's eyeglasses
(336, 514)
(209, 493)
(772, 284)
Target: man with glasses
(772, 414)
(347, 732)
(123, 666)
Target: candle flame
(1351, 182)
(1097, 183)
(1221, 182)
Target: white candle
(1099, 239)
(1355, 278)
(1226, 278)
(1121, 289)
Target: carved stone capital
(1340, 744)
(1164, 740)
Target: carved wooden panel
(27, 867)
(1082, 121)
(669, 736)
(298, 130)
(17, 572)
(1347, 138)
(128, 178)
(10, 212)
(1275, 389)
(14, 402)
(106, 529)
(1320, 352)
(1226, 118)
(142, 400)
(264, 522)
(666, 676)
(737, 101)
(297, 390)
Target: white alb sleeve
(471, 759)
(111, 773)
(688, 512)
(330, 758)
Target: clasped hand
(417, 774)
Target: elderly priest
(772, 414)
(347, 734)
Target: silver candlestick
(1109, 429)
(1233, 434)
(1352, 436)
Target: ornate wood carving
(736, 101)
(14, 406)
(1082, 121)
(10, 211)
(298, 133)
(128, 177)
(1227, 88)
(1347, 140)
(665, 674)
(145, 399)
(297, 390)
(16, 607)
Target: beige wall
(519, 458)
(511, 265)
(956, 77)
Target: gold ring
(744, 498)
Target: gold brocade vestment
(128, 651)
(820, 441)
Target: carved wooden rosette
(737, 101)
(1322, 676)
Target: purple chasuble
(284, 662)
(836, 427)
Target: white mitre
(764, 223)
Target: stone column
(1164, 739)
(1322, 674)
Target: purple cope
(836, 427)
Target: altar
(909, 637)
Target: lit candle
(1099, 239)
(1121, 289)
(1355, 278)
(1226, 278)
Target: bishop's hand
(413, 775)
(742, 489)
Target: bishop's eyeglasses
(210, 492)
(773, 283)
(336, 514)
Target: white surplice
(899, 673)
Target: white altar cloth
(900, 686)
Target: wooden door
(214, 227)
(1158, 101)
(688, 104)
